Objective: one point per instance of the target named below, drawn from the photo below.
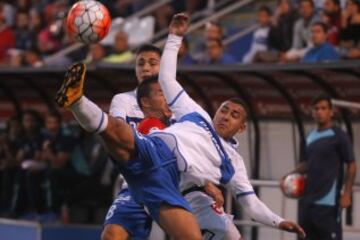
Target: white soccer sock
(89, 115)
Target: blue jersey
(326, 153)
(153, 175)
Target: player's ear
(145, 103)
(242, 127)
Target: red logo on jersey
(147, 125)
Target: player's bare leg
(119, 140)
(117, 135)
(114, 232)
(179, 223)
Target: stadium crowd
(295, 31)
(46, 168)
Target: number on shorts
(110, 212)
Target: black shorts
(320, 221)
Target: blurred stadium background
(277, 92)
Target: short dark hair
(357, 3)
(336, 2)
(322, 25)
(148, 48)
(35, 115)
(54, 114)
(309, 1)
(322, 97)
(266, 9)
(240, 102)
(144, 89)
(217, 40)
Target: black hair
(322, 97)
(309, 1)
(266, 9)
(148, 48)
(336, 2)
(240, 102)
(217, 40)
(14, 118)
(357, 3)
(36, 116)
(324, 27)
(54, 114)
(144, 89)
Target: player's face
(322, 112)
(229, 119)
(157, 103)
(147, 65)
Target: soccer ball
(88, 21)
(293, 185)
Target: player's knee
(114, 232)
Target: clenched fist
(179, 24)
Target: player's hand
(214, 192)
(179, 24)
(292, 227)
(345, 200)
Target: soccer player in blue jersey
(327, 189)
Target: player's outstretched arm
(244, 193)
(178, 100)
(259, 212)
(118, 135)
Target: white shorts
(214, 223)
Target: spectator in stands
(332, 17)
(56, 151)
(213, 30)
(9, 167)
(93, 187)
(33, 168)
(215, 53)
(184, 56)
(32, 58)
(95, 54)
(15, 57)
(163, 15)
(350, 34)
(121, 54)
(302, 32)
(322, 50)
(191, 6)
(9, 13)
(260, 36)
(24, 37)
(36, 21)
(51, 38)
(281, 32)
(7, 38)
(23, 5)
